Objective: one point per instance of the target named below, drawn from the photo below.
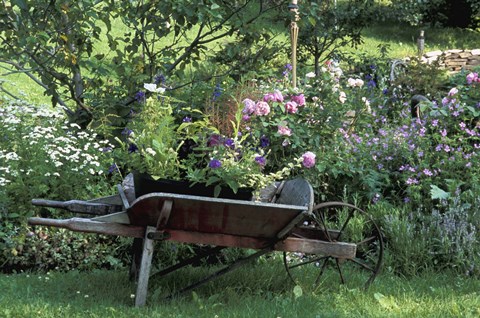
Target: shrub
(43, 156)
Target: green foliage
(442, 237)
(328, 26)
(416, 77)
(55, 44)
(446, 12)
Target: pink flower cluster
(308, 159)
(262, 108)
(473, 78)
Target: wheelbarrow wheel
(339, 222)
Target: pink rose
(308, 159)
(276, 96)
(291, 107)
(284, 130)
(262, 109)
(299, 99)
(249, 106)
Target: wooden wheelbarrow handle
(79, 206)
(90, 226)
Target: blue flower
(140, 96)
(217, 92)
(229, 143)
(187, 119)
(264, 141)
(112, 168)
(159, 79)
(126, 131)
(214, 164)
(132, 148)
(260, 160)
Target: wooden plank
(78, 206)
(290, 244)
(90, 226)
(217, 239)
(334, 249)
(145, 264)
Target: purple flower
(132, 148)
(140, 96)
(249, 106)
(229, 143)
(427, 172)
(112, 168)
(214, 164)
(187, 119)
(411, 181)
(308, 159)
(214, 140)
(264, 141)
(127, 132)
(159, 79)
(217, 92)
(260, 160)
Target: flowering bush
(264, 144)
(414, 158)
(43, 156)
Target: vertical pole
(421, 43)
(293, 7)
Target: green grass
(257, 290)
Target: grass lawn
(257, 290)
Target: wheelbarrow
(314, 239)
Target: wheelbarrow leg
(144, 273)
(137, 248)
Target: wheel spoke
(339, 269)
(339, 222)
(362, 264)
(367, 240)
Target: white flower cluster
(34, 136)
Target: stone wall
(454, 60)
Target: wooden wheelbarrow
(310, 237)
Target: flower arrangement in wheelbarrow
(258, 150)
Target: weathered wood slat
(144, 273)
(334, 249)
(79, 206)
(89, 226)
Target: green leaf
(216, 190)
(297, 291)
(437, 193)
